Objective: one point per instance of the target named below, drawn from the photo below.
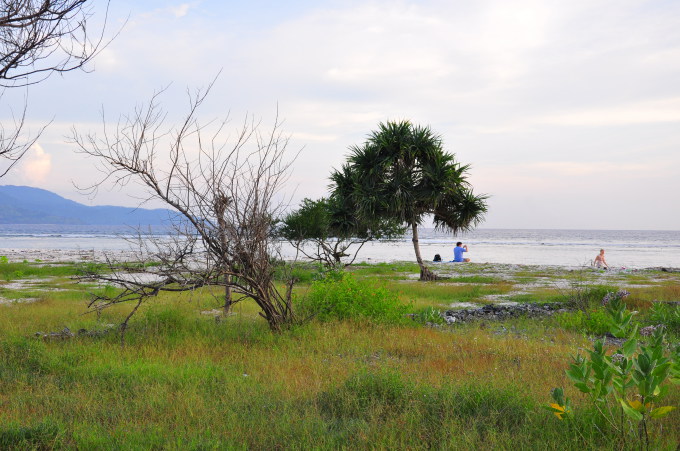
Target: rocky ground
(499, 312)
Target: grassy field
(187, 379)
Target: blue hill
(27, 205)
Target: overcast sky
(567, 111)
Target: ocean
(572, 248)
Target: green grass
(186, 381)
(13, 271)
(444, 293)
(538, 297)
(475, 279)
(396, 269)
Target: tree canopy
(401, 172)
(326, 230)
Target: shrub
(583, 296)
(593, 322)
(343, 296)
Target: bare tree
(39, 38)
(14, 142)
(224, 191)
(42, 37)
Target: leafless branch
(39, 38)
(14, 143)
(224, 191)
(42, 37)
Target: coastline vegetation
(380, 373)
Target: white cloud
(180, 10)
(313, 137)
(36, 165)
(647, 112)
(541, 97)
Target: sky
(567, 112)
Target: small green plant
(429, 315)
(3, 260)
(581, 295)
(595, 322)
(620, 319)
(666, 314)
(342, 296)
(624, 387)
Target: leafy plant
(595, 322)
(583, 296)
(626, 386)
(342, 296)
(666, 314)
(620, 319)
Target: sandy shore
(503, 270)
(62, 255)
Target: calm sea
(624, 248)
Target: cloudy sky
(567, 111)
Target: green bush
(585, 297)
(593, 322)
(343, 296)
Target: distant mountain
(26, 205)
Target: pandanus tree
(402, 173)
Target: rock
(66, 333)
(496, 311)
(670, 269)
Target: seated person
(458, 253)
(600, 262)
(437, 258)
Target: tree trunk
(425, 273)
(227, 296)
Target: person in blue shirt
(458, 253)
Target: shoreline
(15, 255)
(62, 255)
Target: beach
(625, 249)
